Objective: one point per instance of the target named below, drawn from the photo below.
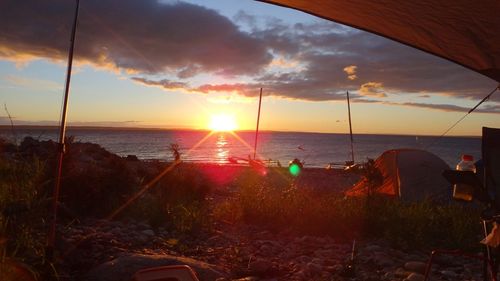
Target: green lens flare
(294, 169)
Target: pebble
(263, 255)
(148, 232)
(416, 266)
(415, 277)
(314, 268)
(259, 267)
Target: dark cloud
(485, 108)
(182, 40)
(296, 91)
(164, 83)
(326, 49)
(142, 36)
(333, 59)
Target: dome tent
(408, 174)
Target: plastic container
(461, 191)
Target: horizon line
(97, 127)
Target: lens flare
(222, 123)
(294, 169)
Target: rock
(381, 259)
(416, 266)
(303, 259)
(123, 267)
(324, 253)
(401, 273)
(449, 274)
(132, 157)
(414, 277)
(373, 248)
(141, 239)
(314, 268)
(148, 232)
(389, 276)
(259, 267)
(266, 250)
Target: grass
(177, 202)
(406, 225)
(23, 205)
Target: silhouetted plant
(175, 150)
(23, 206)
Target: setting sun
(222, 122)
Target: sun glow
(222, 122)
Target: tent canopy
(463, 31)
(408, 174)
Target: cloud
(372, 89)
(485, 108)
(164, 83)
(33, 83)
(351, 72)
(5, 121)
(178, 41)
(327, 48)
(452, 108)
(137, 36)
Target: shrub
(407, 225)
(177, 201)
(95, 182)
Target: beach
(228, 222)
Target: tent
(463, 31)
(409, 174)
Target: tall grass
(178, 201)
(407, 225)
(23, 206)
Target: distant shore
(153, 128)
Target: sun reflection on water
(222, 152)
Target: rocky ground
(100, 250)
(115, 250)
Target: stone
(414, 277)
(124, 267)
(148, 232)
(401, 273)
(373, 248)
(266, 250)
(324, 253)
(448, 274)
(314, 268)
(259, 267)
(303, 259)
(416, 266)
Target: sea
(315, 149)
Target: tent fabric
(408, 174)
(463, 31)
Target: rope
(463, 117)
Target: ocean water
(316, 149)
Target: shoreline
(154, 128)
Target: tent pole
(257, 129)
(350, 127)
(51, 237)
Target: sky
(176, 64)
